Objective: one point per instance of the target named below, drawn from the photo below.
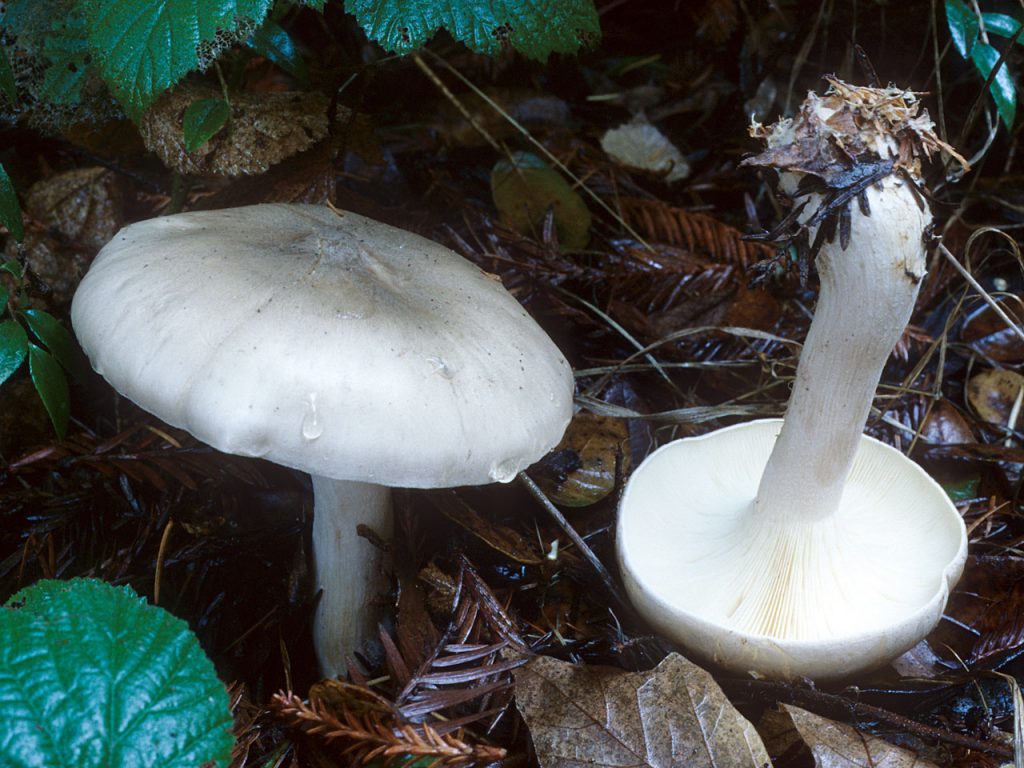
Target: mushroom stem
(866, 299)
(348, 567)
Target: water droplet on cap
(441, 367)
(504, 471)
(312, 427)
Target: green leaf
(1001, 24)
(272, 42)
(10, 208)
(536, 29)
(1003, 88)
(67, 52)
(92, 676)
(146, 46)
(963, 26)
(52, 386)
(11, 267)
(13, 348)
(964, 489)
(202, 120)
(3, 298)
(58, 341)
(526, 188)
(7, 78)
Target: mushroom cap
(818, 599)
(326, 342)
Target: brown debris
(264, 129)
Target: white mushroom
(823, 551)
(365, 355)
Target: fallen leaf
(525, 188)
(498, 537)
(84, 205)
(674, 715)
(81, 210)
(833, 745)
(992, 394)
(264, 129)
(581, 470)
(638, 144)
(945, 425)
(989, 334)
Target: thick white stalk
(348, 567)
(866, 299)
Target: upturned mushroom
(324, 341)
(803, 547)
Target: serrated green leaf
(146, 46)
(52, 385)
(13, 348)
(7, 85)
(10, 208)
(59, 342)
(535, 29)
(272, 42)
(92, 676)
(67, 52)
(963, 26)
(1002, 88)
(202, 121)
(1001, 24)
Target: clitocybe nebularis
(321, 340)
(803, 547)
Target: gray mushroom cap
(326, 342)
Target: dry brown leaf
(498, 537)
(989, 334)
(84, 205)
(80, 210)
(833, 745)
(992, 394)
(946, 426)
(264, 129)
(673, 715)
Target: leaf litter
(503, 625)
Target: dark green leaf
(1001, 24)
(202, 120)
(10, 208)
(3, 298)
(963, 26)
(963, 490)
(13, 348)
(58, 342)
(146, 46)
(11, 267)
(92, 676)
(535, 29)
(52, 386)
(7, 78)
(272, 42)
(67, 51)
(1003, 89)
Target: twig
(819, 700)
(984, 294)
(575, 538)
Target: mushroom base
(821, 598)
